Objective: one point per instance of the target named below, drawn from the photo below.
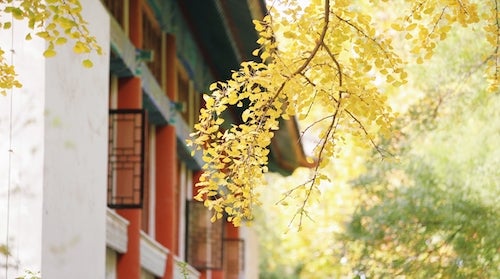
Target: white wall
(75, 161)
(26, 164)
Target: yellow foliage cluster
(431, 21)
(55, 21)
(8, 75)
(327, 55)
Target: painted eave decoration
(226, 36)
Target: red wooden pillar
(196, 179)
(130, 97)
(128, 266)
(217, 274)
(166, 171)
(231, 232)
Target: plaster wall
(75, 160)
(21, 153)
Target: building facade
(97, 181)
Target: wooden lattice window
(147, 187)
(117, 9)
(152, 41)
(204, 238)
(184, 94)
(126, 158)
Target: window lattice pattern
(116, 9)
(204, 247)
(152, 40)
(126, 158)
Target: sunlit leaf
(49, 53)
(87, 63)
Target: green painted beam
(158, 105)
(122, 61)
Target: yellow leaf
(80, 48)
(209, 101)
(212, 193)
(429, 10)
(17, 13)
(403, 75)
(51, 26)
(258, 25)
(245, 115)
(397, 27)
(61, 41)
(49, 53)
(7, 25)
(28, 37)
(212, 87)
(411, 27)
(87, 63)
(73, 35)
(289, 34)
(264, 55)
(43, 35)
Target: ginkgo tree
(56, 21)
(432, 213)
(331, 55)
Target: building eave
(225, 34)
